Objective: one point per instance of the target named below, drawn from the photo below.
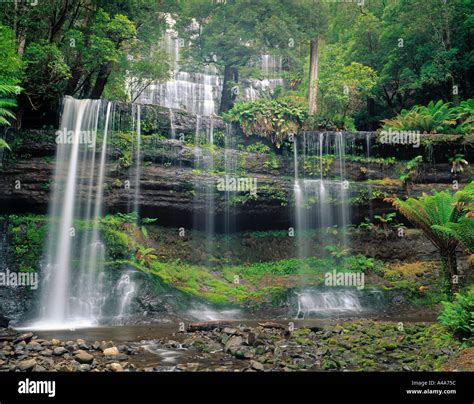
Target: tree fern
(463, 231)
(461, 225)
(436, 117)
(443, 218)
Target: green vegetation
(84, 50)
(316, 166)
(462, 230)
(273, 119)
(441, 209)
(257, 147)
(10, 65)
(457, 163)
(26, 235)
(254, 283)
(411, 172)
(439, 117)
(458, 316)
(351, 66)
(342, 87)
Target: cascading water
(199, 93)
(75, 287)
(70, 292)
(172, 124)
(126, 290)
(230, 168)
(328, 303)
(196, 93)
(321, 202)
(369, 187)
(319, 302)
(321, 197)
(138, 158)
(204, 184)
(126, 287)
(90, 279)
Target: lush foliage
(439, 117)
(458, 316)
(411, 172)
(83, 48)
(433, 214)
(27, 235)
(274, 119)
(463, 231)
(7, 101)
(343, 88)
(10, 66)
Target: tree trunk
(21, 44)
(72, 83)
(101, 81)
(450, 268)
(313, 76)
(226, 95)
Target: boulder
(233, 344)
(34, 346)
(4, 321)
(83, 357)
(116, 367)
(27, 364)
(112, 351)
(27, 336)
(60, 350)
(257, 366)
(230, 331)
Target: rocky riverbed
(221, 346)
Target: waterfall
(230, 168)
(69, 290)
(328, 303)
(320, 187)
(369, 187)
(272, 65)
(203, 211)
(318, 302)
(75, 288)
(172, 124)
(136, 199)
(199, 93)
(321, 194)
(300, 212)
(196, 93)
(90, 296)
(126, 287)
(125, 290)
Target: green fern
(458, 316)
(4, 145)
(442, 218)
(436, 117)
(7, 102)
(463, 231)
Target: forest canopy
(354, 62)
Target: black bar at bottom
(242, 387)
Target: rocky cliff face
(169, 181)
